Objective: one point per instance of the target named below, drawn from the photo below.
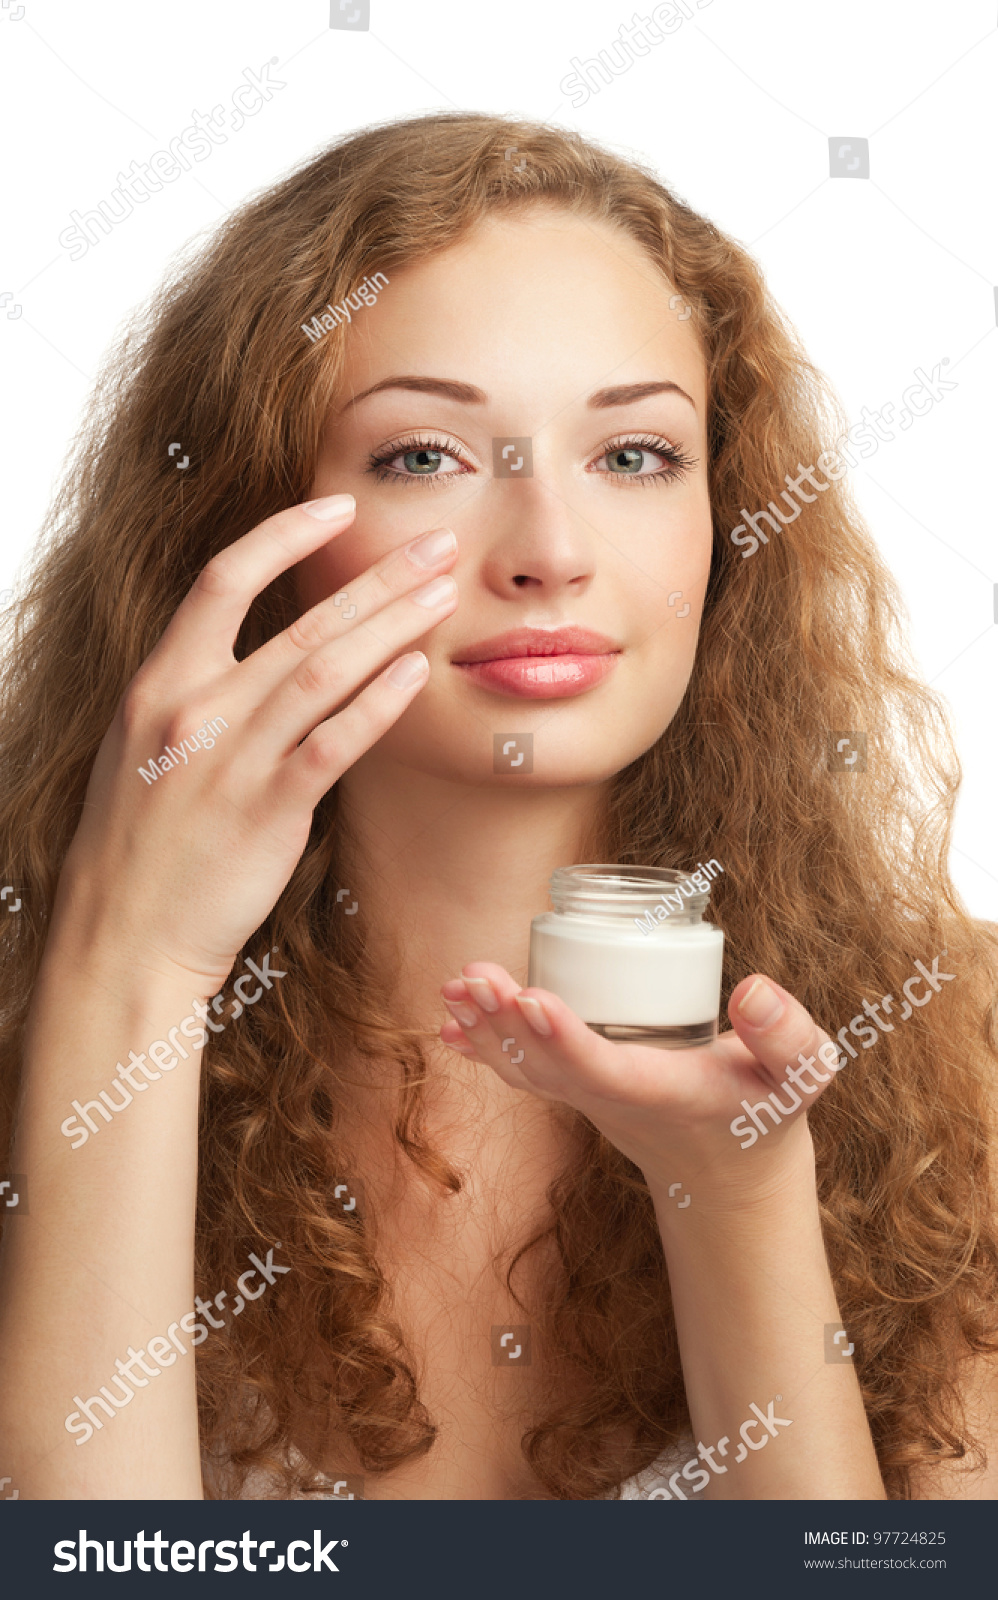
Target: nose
(537, 540)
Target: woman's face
(556, 331)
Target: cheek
(331, 569)
(670, 571)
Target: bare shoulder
(978, 1375)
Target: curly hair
(834, 884)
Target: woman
(245, 732)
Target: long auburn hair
(834, 883)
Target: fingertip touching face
(551, 412)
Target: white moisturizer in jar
(627, 948)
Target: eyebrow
(626, 393)
(447, 388)
(467, 394)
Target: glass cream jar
(627, 948)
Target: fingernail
(334, 505)
(435, 593)
(431, 548)
(466, 1015)
(535, 1014)
(483, 992)
(760, 1005)
(408, 670)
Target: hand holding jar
(619, 1020)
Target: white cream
(663, 982)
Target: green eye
(625, 461)
(423, 462)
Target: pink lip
(540, 663)
(541, 677)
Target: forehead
(539, 296)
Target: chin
(470, 750)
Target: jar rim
(616, 886)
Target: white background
(735, 110)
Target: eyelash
(400, 447)
(679, 463)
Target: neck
(447, 872)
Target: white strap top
(650, 1484)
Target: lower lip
(541, 677)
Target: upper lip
(538, 642)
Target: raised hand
(179, 864)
